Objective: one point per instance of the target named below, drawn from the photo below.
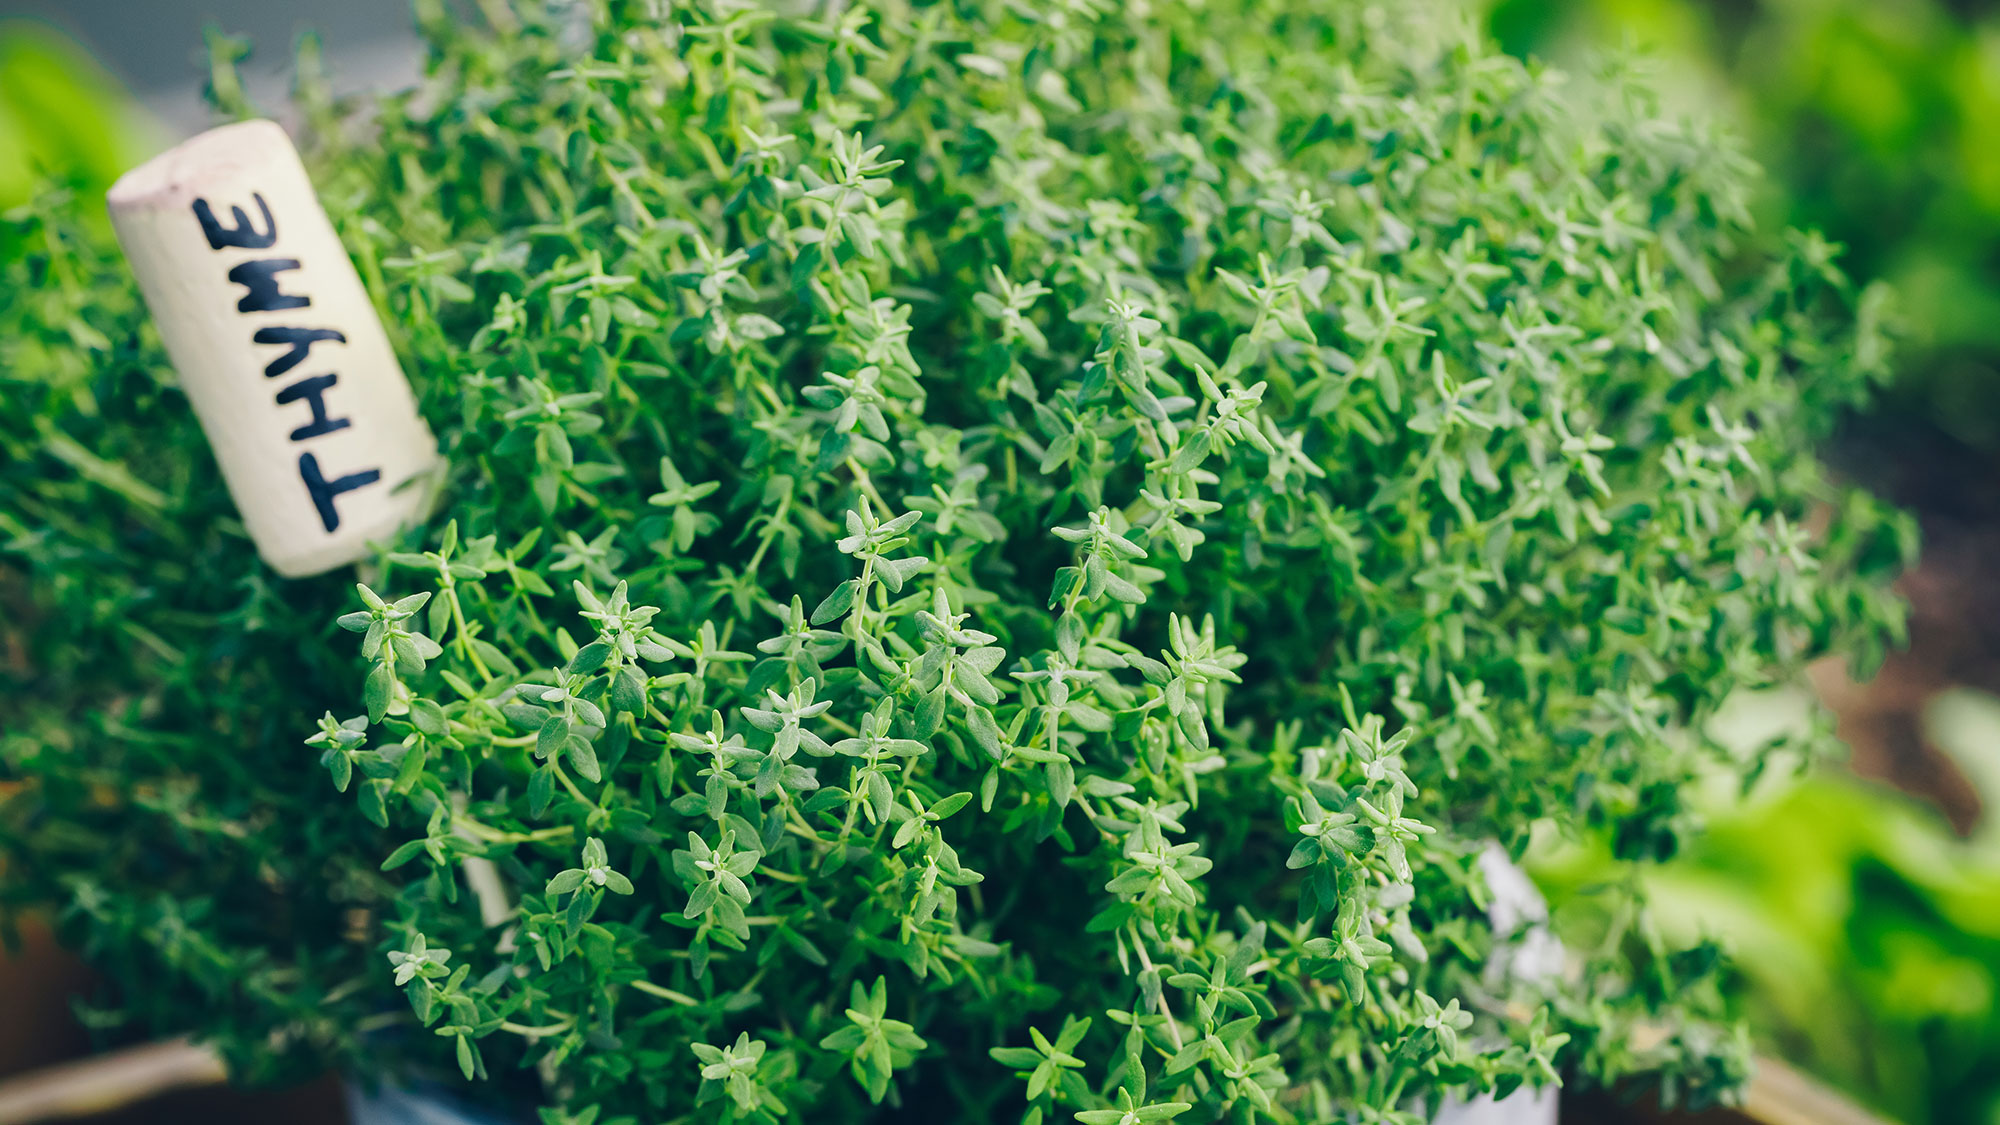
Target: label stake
(277, 346)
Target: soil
(1954, 636)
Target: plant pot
(1535, 954)
(411, 1107)
(1524, 1107)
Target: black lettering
(314, 390)
(323, 490)
(243, 234)
(260, 278)
(301, 340)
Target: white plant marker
(277, 346)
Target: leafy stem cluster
(999, 561)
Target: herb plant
(1001, 561)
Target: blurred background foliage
(1865, 925)
(1863, 930)
(1879, 123)
(64, 120)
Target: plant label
(277, 346)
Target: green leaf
(411, 768)
(582, 757)
(403, 855)
(541, 790)
(466, 1063)
(1023, 1058)
(428, 717)
(589, 658)
(628, 692)
(836, 604)
(554, 732)
(376, 692)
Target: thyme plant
(1000, 562)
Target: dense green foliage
(1877, 123)
(997, 558)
